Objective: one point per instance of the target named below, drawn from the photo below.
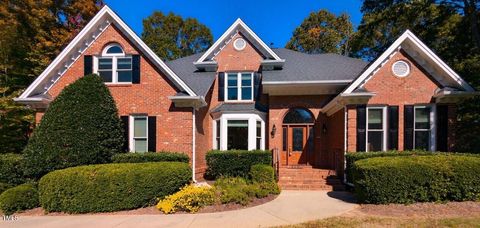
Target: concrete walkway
(290, 207)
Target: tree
(80, 127)
(171, 37)
(33, 33)
(323, 32)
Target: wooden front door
(297, 140)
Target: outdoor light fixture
(274, 129)
(324, 128)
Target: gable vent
(401, 68)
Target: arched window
(113, 65)
(298, 115)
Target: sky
(273, 21)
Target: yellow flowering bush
(190, 199)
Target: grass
(391, 222)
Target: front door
(298, 143)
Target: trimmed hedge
(235, 162)
(408, 179)
(80, 127)
(19, 198)
(111, 187)
(262, 173)
(4, 186)
(11, 169)
(150, 157)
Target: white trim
(194, 131)
(252, 129)
(239, 87)
(84, 39)
(404, 74)
(114, 68)
(307, 82)
(104, 51)
(238, 24)
(131, 129)
(383, 130)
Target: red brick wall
(335, 135)
(416, 88)
(174, 125)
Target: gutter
(193, 145)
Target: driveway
(290, 207)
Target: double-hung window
(139, 134)
(421, 131)
(376, 129)
(114, 66)
(239, 86)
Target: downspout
(193, 145)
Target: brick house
(241, 94)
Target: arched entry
(297, 136)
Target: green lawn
(392, 222)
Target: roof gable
(74, 50)
(423, 55)
(238, 27)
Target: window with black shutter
(361, 128)
(393, 127)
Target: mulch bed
(152, 210)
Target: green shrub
(11, 169)
(190, 199)
(235, 162)
(81, 126)
(150, 157)
(409, 179)
(19, 198)
(262, 173)
(239, 190)
(4, 186)
(111, 187)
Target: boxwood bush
(150, 157)
(235, 162)
(19, 198)
(11, 169)
(81, 126)
(111, 187)
(261, 173)
(408, 179)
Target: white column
(252, 125)
(223, 133)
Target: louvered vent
(401, 69)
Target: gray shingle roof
(239, 107)
(314, 67)
(199, 82)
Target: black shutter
(442, 128)
(408, 127)
(136, 69)
(256, 82)
(361, 127)
(152, 133)
(221, 86)
(126, 137)
(87, 64)
(393, 127)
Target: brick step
(306, 187)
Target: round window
(401, 68)
(239, 44)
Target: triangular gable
(87, 36)
(238, 26)
(422, 55)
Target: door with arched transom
(297, 137)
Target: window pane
(422, 118)
(140, 145)
(115, 50)
(124, 63)
(298, 115)
(375, 141)
(421, 140)
(237, 134)
(104, 64)
(218, 134)
(124, 76)
(232, 93)
(106, 75)
(259, 134)
(140, 127)
(232, 80)
(247, 93)
(297, 134)
(375, 119)
(284, 139)
(247, 79)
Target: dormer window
(239, 86)
(114, 66)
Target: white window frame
(432, 129)
(252, 130)
(114, 58)
(239, 86)
(131, 129)
(384, 126)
